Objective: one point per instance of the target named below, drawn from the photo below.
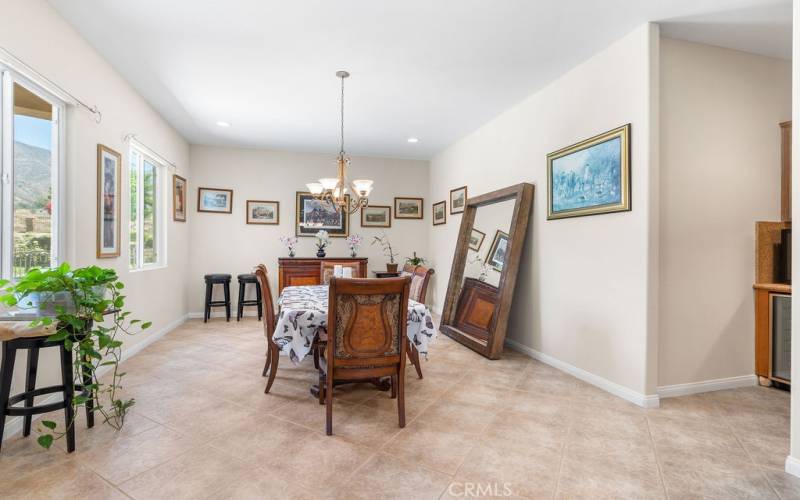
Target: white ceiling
(432, 69)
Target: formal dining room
(260, 249)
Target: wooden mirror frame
(523, 196)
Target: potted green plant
(85, 309)
(415, 261)
(386, 246)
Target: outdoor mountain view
(32, 209)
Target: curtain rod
(29, 72)
(150, 151)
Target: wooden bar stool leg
(6, 372)
(30, 385)
(227, 287)
(240, 305)
(67, 378)
(209, 289)
(87, 381)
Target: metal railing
(26, 260)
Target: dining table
(304, 314)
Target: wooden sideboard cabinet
(299, 271)
(475, 309)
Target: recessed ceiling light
(224, 124)
(413, 140)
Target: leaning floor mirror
(485, 265)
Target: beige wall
(582, 295)
(720, 172)
(225, 244)
(35, 33)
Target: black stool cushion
(217, 278)
(247, 278)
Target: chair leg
(329, 404)
(315, 349)
(273, 369)
(266, 364)
(207, 312)
(321, 384)
(393, 381)
(227, 290)
(240, 306)
(6, 372)
(87, 381)
(401, 399)
(30, 384)
(413, 356)
(67, 378)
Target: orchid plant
(354, 241)
(289, 242)
(323, 239)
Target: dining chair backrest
(369, 319)
(420, 276)
(327, 267)
(266, 297)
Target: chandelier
(343, 195)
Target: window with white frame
(147, 208)
(31, 184)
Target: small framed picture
(497, 252)
(263, 212)
(376, 216)
(178, 198)
(217, 201)
(476, 239)
(408, 208)
(440, 213)
(109, 166)
(458, 199)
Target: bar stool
(17, 335)
(225, 281)
(244, 280)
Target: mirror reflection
(479, 290)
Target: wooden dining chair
(326, 269)
(420, 276)
(367, 321)
(269, 320)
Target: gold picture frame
(179, 190)
(591, 191)
(302, 226)
(109, 199)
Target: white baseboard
(13, 426)
(671, 391)
(792, 466)
(643, 400)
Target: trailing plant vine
(85, 307)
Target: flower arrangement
(354, 241)
(323, 240)
(289, 242)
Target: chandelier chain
(341, 114)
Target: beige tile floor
(202, 428)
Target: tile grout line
(563, 454)
(655, 454)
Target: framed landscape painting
(263, 212)
(408, 208)
(496, 257)
(440, 213)
(376, 216)
(109, 168)
(217, 201)
(476, 239)
(313, 215)
(178, 198)
(590, 177)
(458, 199)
